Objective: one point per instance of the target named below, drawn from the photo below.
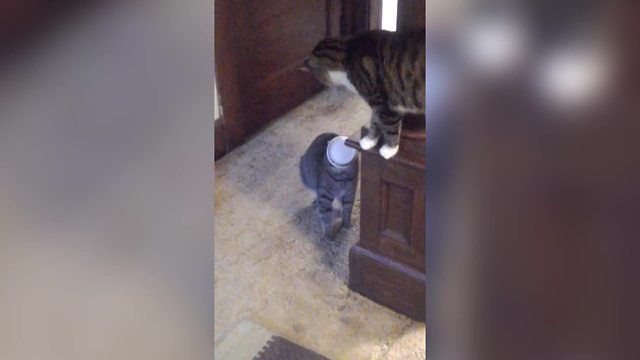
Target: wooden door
(259, 45)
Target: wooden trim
(360, 15)
(226, 69)
(411, 15)
(333, 18)
(375, 14)
(388, 282)
(219, 139)
(355, 16)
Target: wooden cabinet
(388, 265)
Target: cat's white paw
(367, 142)
(387, 151)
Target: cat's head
(327, 58)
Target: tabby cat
(330, 181)
(387, 69)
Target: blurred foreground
(534, 190)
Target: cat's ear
(305, 65)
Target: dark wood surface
(388, 262)
(411, 14)
(219, 141)
(356, 16)
(375, 14)
(259, 45)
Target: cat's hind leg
(347, 207)
(324, 205)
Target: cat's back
(391, 64)
(311, 161)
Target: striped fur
(329, 183)
(387, 69)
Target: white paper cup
(338, 153)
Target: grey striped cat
(330, 181)
(387, 69)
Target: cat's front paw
(388, 152)
(367, 142)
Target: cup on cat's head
(338, 153)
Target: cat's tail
(307, 175)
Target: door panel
(259, 45)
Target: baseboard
(388, 282)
